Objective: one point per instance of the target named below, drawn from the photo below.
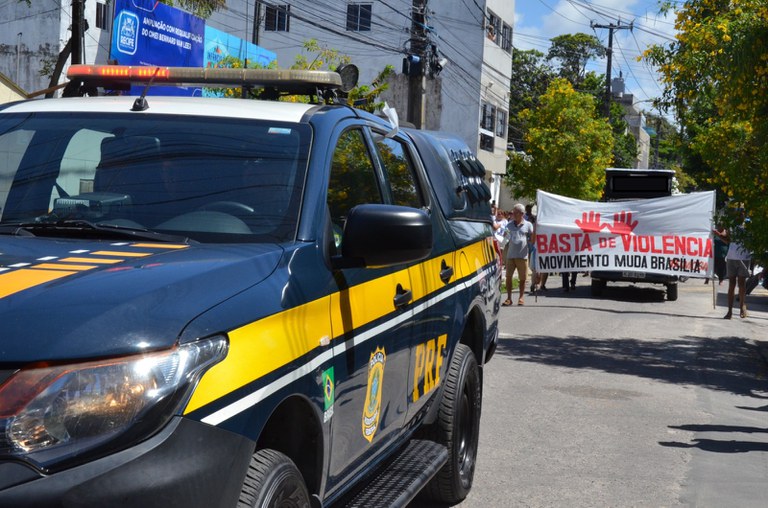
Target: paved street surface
(626, 400)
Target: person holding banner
(520, 235)
(737, 262)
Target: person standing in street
(720, 251)
(737, 262)
(520, 235)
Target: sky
(537, 21)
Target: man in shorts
(520, 235)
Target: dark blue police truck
(223, 302)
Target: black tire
(672, 292)
(458, 428)
(273, 481)
(596, 289)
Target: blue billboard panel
(146, 32)
(220, 45)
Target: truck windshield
(205, 178)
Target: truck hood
(65, 300)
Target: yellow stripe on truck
(19, 280)
(262, 346)
(273, 342)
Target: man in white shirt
(520, 235)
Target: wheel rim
(466, 433)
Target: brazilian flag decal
(328, 394)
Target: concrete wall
(44, 29)
(23, 56)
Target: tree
(200, 8)
(624, 143)
(531, 75)
(574, 51)
(569, 146)
(715, 75)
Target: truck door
(372, 320)
(434, 309)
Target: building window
(102, 15)
(277, 18)
(488, 117)
(493, 27)
(506, 38)
(486, 142)
(359, 17)
(501, 123)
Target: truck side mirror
(384, 235)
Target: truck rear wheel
(672, 292)
(458, 428)
(273, 481)
(597, 287)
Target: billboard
(220, 45)
(150, 33)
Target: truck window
(399, 173)
(353, 178)
(637, 183)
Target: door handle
(446, 272)
(402, 296)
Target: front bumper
(634, 276)
(187, 464)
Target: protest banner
(668, 235)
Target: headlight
(51, 413)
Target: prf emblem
(372, 409)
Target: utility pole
(611, 28)
(78, 31)
(658, 138)
(418, 64)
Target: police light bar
(286, 81)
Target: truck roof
(194, 106)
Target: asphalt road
(626, 400)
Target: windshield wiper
(64, 228)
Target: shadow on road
(729, 364)
(718, 428)
(714, 445)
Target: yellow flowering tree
(716, 77)
(568, 146)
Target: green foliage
(574, 51)
(593, 84)
(200, 8)
(362, 96)
(531, 75)
(715, 74)
(624, 143)
(568, 147)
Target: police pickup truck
(222, 302)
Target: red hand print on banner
(622, 223)
(590, 223)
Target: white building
(470, 39)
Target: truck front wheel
(273, 481)
(458, 428)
